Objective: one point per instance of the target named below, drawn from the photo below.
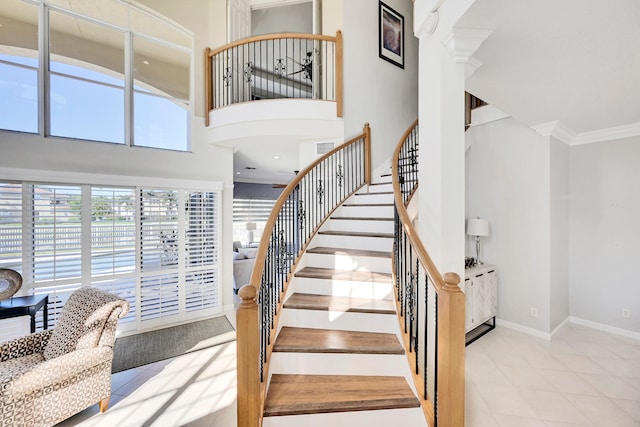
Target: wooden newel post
(451, 347)
(208, 84)
(339, 53)
(367, 153)
(248, 358)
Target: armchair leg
(104, 404)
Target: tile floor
(583, 377)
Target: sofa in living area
(243, 261)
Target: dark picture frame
(390, 35)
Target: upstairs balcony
(253, 86)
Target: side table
(22, 306)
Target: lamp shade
(251, 226)
(478, 227)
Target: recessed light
(276, 157)
(145, 62)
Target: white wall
(376, 91)
(604, 232)
(509, 184)
(559, 233)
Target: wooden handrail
(274, 36)
(251, 390)
(449, 322)
(224, 84)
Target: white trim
(608, 134)
(463, 42)
(64, 177)
(565, 134)
(524, 329)
(555, 331)
(606, 328)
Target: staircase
(337, 358)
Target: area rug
(142, 349)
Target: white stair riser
(342, 288)
(378, 188)
(348, 262)
(365, 211)
(359, 225)
(354, 242)
(339, 364)
(364, 198)
(413, 417)
(363, 322)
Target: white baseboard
(564, 322)
(605, 328)
(526, 330)
(575, 320)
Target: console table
(481, 295)
(22, 306)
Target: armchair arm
(68, 367)
(24, 346)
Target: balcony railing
(431, 307)
(303, 206)
(288, 65)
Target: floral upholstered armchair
(51, 375)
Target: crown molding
(471, 66)
(565, 134)
(463, 42)
(608, 134)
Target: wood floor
(292, 393)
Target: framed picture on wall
(391, 35)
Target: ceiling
(572, 61)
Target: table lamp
(478, 227)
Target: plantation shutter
(11, 226)
(56, 234)
(113, 243)
(201, 232)
(159, 238)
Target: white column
(443, 58)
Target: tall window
(115, 73)
(156, 247)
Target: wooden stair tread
(350, 275)
(316, 394)
(349, 252)
(306, 340)
(369, 194)
(362, 218)
(341, 304)
(356, 234)
(368, 204)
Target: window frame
(44, 75)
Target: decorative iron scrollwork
(320, 192)
(301, 214)
(227, 77)
(248, 72)
(279, 68)
(339, 175)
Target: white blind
(157, 248)
(252, 210)
(201, 290)
(11, 226)
(56, 233)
